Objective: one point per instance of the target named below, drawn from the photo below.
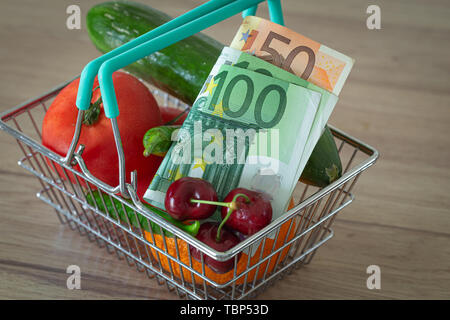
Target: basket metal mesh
(304, 228)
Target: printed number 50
(278, 60)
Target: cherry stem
(215, 203)
(176, 118)
(231, 205)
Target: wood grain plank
(396, 98)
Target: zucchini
(324, 166)
(180, 69)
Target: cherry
(249, 214)
(243, 210)
(182, 193)
(208, 234)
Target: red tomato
(138, 112)
(169, 113)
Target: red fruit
(179, 194)
(207, 234)
(250, 215)
(138, 112)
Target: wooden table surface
(397, 99)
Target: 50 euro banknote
(293, 52)
(245, 129)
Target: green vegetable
(324, 166)
(116, 206)
(157, 140)
(180, 69)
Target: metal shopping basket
(287, 243)
(308, 223)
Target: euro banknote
(291, 51)
(327, 103)
(245, 129)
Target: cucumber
(180, 69)
(324, 165)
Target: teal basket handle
(197, 20)
(90, 71)
(276, 14)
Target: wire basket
(286, 244)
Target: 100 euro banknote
(293, 52)
(245, 129)
(327, 103)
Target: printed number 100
(249, 96)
